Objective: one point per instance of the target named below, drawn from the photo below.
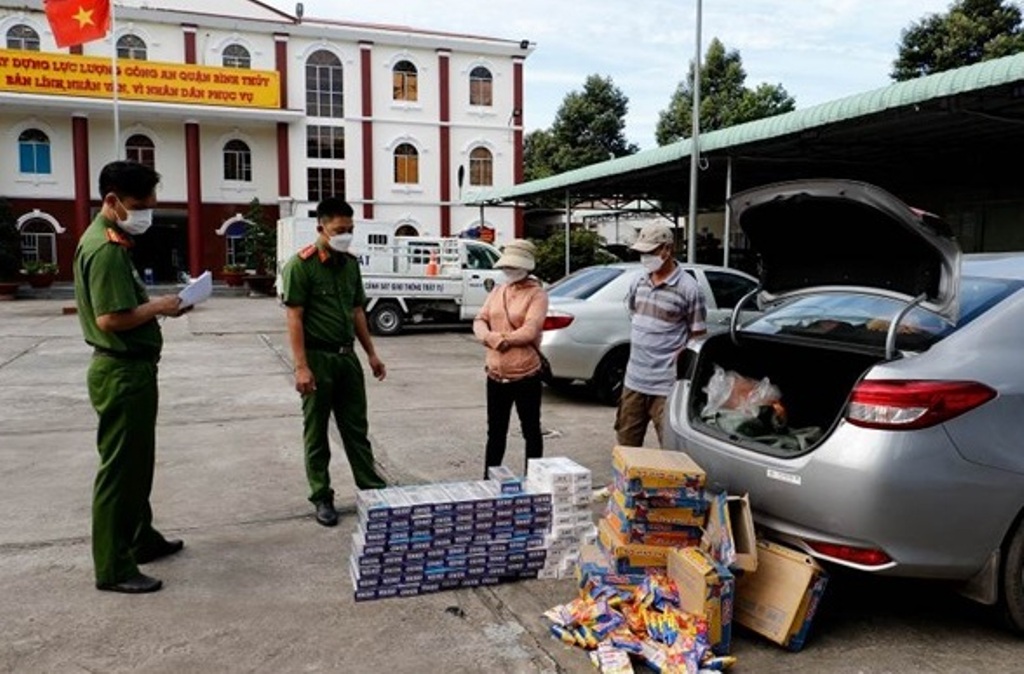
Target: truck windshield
(480, 257)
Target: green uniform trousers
(341, 389)
(124, 395)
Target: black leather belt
(124, 355)
(343, 349)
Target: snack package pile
(572, 525)
(645, 625)
(425, 538)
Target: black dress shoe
(137, 584)
(154, 552)
(326, 514)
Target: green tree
(586, 249)
(589, 127)
(260, 240)
(724, 99)
(972, 31)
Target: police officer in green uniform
(119, 321)
(324, 296)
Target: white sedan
(586, 332)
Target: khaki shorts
(636, 410)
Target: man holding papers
(119, 321)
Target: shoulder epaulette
(307, 252)
(114, 236)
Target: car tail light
(849, 553)
(906, 405)
(557, 321)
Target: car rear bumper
(909, 495)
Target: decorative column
(517, 142)
(189, 32)
(194, 189)
(366, 52)
(444, 87)
(80, 145)
(284, 179)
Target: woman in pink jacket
(509, 326)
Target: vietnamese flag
(76, 21)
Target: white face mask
(340, 242)
(515, 275)
(651, 263)
(137, 222)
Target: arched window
(407, 164)
(34, 152)
(480, 86)
(139, 148)
(236, 56)
(481, 167)
(38, 241)
(403, 78)
(22, 37)
(233, 243)
(131, 47)
(324, 85)
(237, 161)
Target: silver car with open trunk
(875, 411)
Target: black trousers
(525, 395)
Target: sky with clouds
(818, 50)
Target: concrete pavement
(261, 588)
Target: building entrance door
(163, 249)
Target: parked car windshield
(864, 319)
(583, 283)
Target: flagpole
(113, 71)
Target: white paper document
(198, 290)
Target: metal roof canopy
(951, 128)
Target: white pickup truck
(408, 279)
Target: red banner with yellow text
(90, 77)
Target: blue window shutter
(26, 158)
(43, 159)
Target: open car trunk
(813, 384)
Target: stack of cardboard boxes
(572, 524)
(656, 504)
(660, 519)
(425, 538)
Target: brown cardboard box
(656, 468)
(729, 534)
(779, 600)
(629, 557)
(705, 588)
(741, 527)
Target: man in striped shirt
(667, 309)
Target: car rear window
(864, 319)
(583, 283)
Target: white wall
(394, 122)
(57, 185)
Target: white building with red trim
(232, 101)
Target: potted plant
(260, 245)
(41, 274)
(233, 274)
(10, 252)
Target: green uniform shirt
(106, 282)
(328, 286)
